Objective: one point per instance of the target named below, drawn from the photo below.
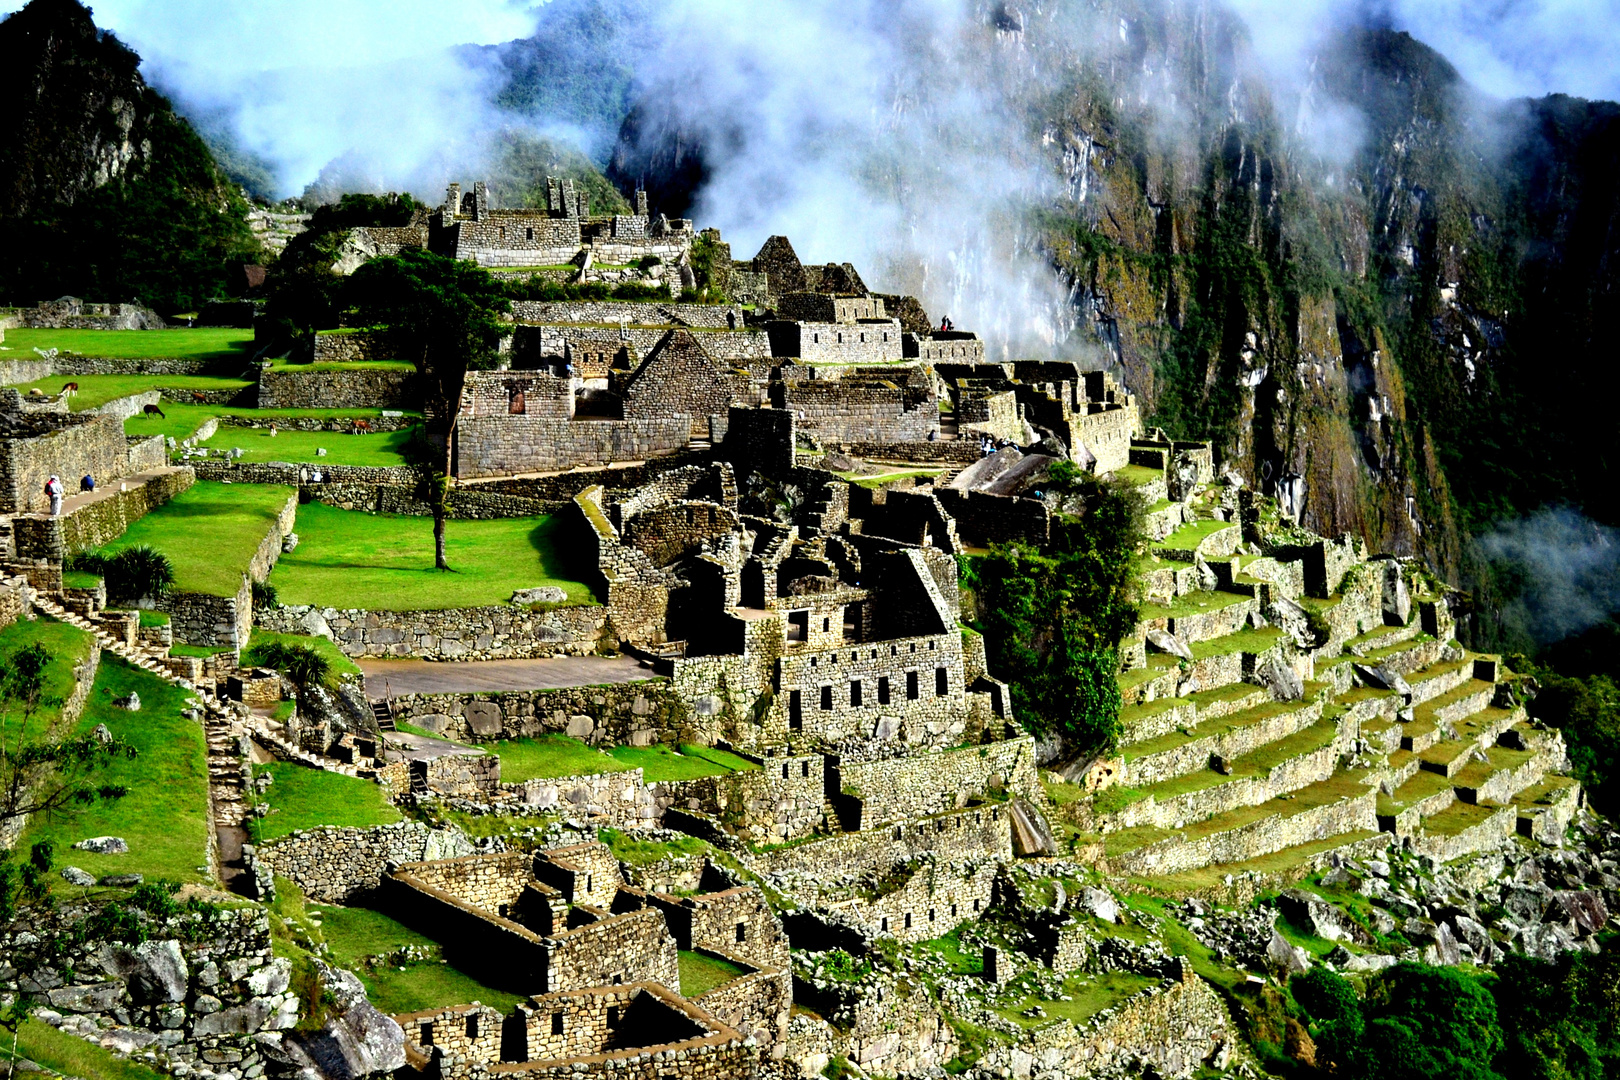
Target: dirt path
(385, 677)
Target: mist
(1561, 571)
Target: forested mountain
(104, 191)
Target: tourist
(87, 483)
(53, 488)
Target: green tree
(444, 316)
(43, 768)
(1428, 1023)
(1053, 618)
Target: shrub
(138, 573)
(264, 596)
(300, 663)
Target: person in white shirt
(53, 488)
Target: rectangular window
(472, 1026)
(908, 920)
(883, 689)
(826, 626)
(826, 698)
(556, 1023)
(795, 711)
(911, 686)
(742, 932)
(804, 769)
(784, 770)
(942, 682)
(885, 926)
(855, 693)
(798, 625)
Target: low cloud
(1563, 568)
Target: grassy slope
(99, 389)
(556, 755)
(305, 798)
(381, 449)
(350, 559)
(356, 933)
(209, 532)
(700, 973)
(212, 343)
(67, 645)
(165, 815)
(71, 1055)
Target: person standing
(53, 488)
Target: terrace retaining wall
(620, 714)
(98, 523)
(208, 620)
(361, 388)
(334, 865)
(474, 633)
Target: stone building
(562, 232)
(600, 956)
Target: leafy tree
(444, 316)
(1562, 1017)
(1053, 619)
(1416, 1023)
(42, 768)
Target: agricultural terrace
(350, 559)
(549, 757)
(225, 344)
(383, 448)
(210, 533)
(164, 817)
(343, 365)
(181, 421)
(303, 798)
(96, 390)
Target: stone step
(1305, 757)
(1463, 829)
(1198, 616)
(1340, 804)
(1177, 753)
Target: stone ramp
(387, 678)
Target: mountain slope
(104, 191)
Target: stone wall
(480, 941)
(491, 882)
(901, 788)
(938, 895)
(333, 346)
(479, 633)
(977, 832)
(954, 452)
(889, 690)
(621, 714)
(13, 372)
(334, 865)
(507, 445)
(303, 474)
(1195, 754)
(836, 411)
(518, 393)
(983, 519)
(632, 947)
(738, 920)
(98, 523)
(204, 619)
(758, 1005)
(123, 408)
(359, 388)
(1274, 833)
(33, 447)
(612, 313)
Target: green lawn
(351, 559)
(181, 421)
(630, 846)
(701, 973)
(380, 449)
(1088, 996)
(549, 756)
(70, 1055)
(1190, 535)
(211, 343)
(341, 665)
(99, 389)
(165, 815)
(67, 646)
(344, 365)
(553, 755)
(357, 933)
(305, 798)
(209, 532)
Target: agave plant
(139, 573)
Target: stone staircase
(1400, 735)
(228, 728)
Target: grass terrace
(1341, 785)
(203, 343)
(305, 798)
(96, 390)
(547, 757)
(701, 972)
(1190, 535)
(182, 421)
(1193, 603)
(1088, 995)
(350, 559)
(342, 365)
(210, 533)
(70, 1055)
(380, 449)
(1138, 474)
(67, 646)
(365, 941)
(165, 815)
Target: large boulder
(104, 845)
(357, 1043)
(154, 971)
(1382, 678)
(1286, 959)
(1281, 679)
(1166, 642)
(484, 718)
